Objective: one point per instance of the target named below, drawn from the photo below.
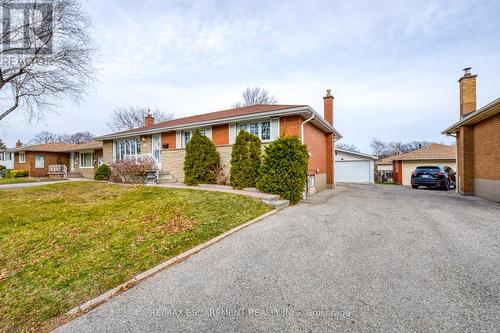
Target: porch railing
(58, 169)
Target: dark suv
(433, 176)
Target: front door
(156, 149)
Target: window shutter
(178, 139)
(275, 128)
(208, 133)
(232, 133)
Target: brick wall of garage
(487, 148)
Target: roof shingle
(433, 151)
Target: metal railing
(58, 169)
(141, 158)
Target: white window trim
(208, 134)
(116, 141)
(259, 122)
(91, 160)
(23, 154)
(36, 165)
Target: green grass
(4, 181)
(63, 244)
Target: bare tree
(45, 137)
(48, 137)
(384, 149)
(129, 117)
(254, 96)
(2, 145)
(346, 146)
(46, 55)
(77, 138)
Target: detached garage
(354, 167)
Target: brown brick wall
(465, 147)
(317, 147)
(220, 135)
(290, 125)
(168, 138)
(487, 148)
(50, 159)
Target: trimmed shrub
(284, 168)
(2, 167)
(245, 160)
(103, 172)
(201, 160)
(18, 174)
(132, 171)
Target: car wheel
(446, 186)
(414, 186)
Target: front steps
(165, 177)
(274, 200)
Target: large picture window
(127, 147)
(261, 129)
(86, 160)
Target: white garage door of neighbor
(352, 172)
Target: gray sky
(392, 66)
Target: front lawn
(4, 181)
(64, 244)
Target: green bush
(245, 160)
(2, 167)
(284, 168)
(201, 160)
(103, 172)
(17, 174)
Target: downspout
(302, 128)
(304, 196)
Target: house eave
(304, 111)
(475, 117)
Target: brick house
(478, 143)
(432, 155)
(58, 159)
(166, 141)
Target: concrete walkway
(358, 259)
(40, 183)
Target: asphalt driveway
(359, 258)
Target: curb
(89, 305)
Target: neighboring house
(166, 141)
(432, 155)
(354, 167)
(7, 159)
(478, 143)
(384, 169)
(58, 159)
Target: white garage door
(352, 172)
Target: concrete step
(166, 181)
(278, 204)
(166, 177)
(270, 197)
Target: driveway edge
(89, 305)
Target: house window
(8, 156)
(187, 137)
(2, 156)
(22, 157)
(127, 147)
(39, 161)
(261, 129)
(189, 134)
(86, 160)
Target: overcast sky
(392, 65)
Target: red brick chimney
(328, 115)
(19, 144)
(328, 106)
(467, 93)
(149, 120)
